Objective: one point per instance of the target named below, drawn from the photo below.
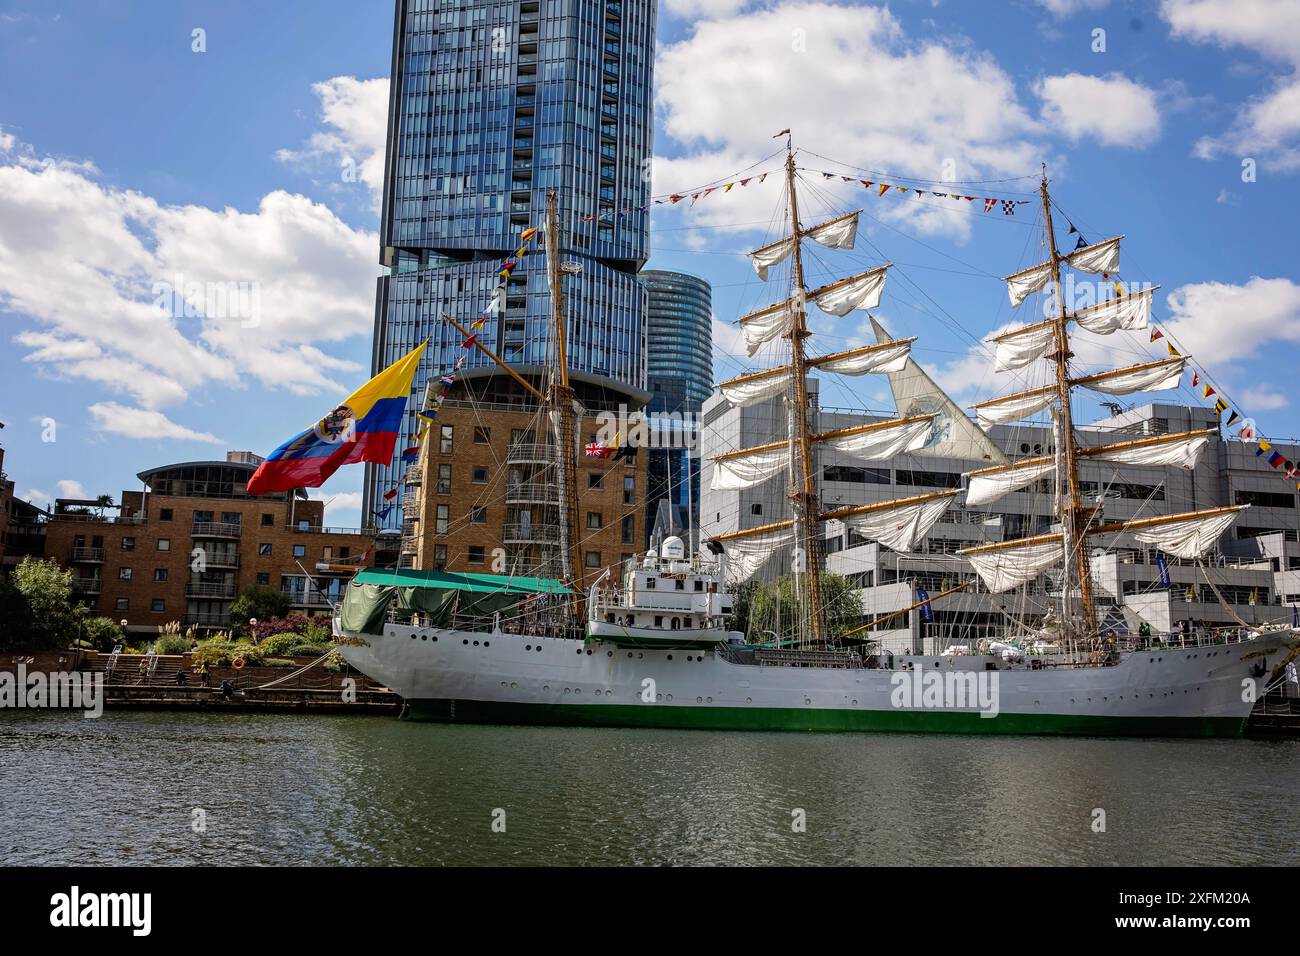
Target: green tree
(262, 603)
(15, 617)
(47, 589)
(775, 606)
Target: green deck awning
(435, 593)
(410, 578)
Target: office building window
(164, 514)
(443, 519)
(475, 554)
(445, 442)
(478, 515)
(160, 574)
(264, 550)
(157, 604)
(482, 435)
(128, 544)
(444, 479)
(480, 474)
(263, 578)
(595, 520)
(123, 604)
(124, 574)
(268, 521)
(299, 551)
(164, 544)
(592, 559)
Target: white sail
(739, 471)
(751, 391)
(770, 255)
(1141, 378)
(873, 442)
(1099, 257)
(857, 292)
(984, 489)
(746, 556)
(1021, 347)
(1184, 453)
(1003, 568)
(873, 358)
(1013, 408)
(1028, 281)
(955, 435)
(901, 527)
(765, 325)
(1189, 537)
(837, 233)
(1130, 312)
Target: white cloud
(1267, 130)
(256, 293)
(704, 8)
(1219, 322)
(1065, 8)
(1267, 127)
(42, 499)
(356, 114)
(1112, 110)
(70, 488)
(1264, 398)
(342, 510)
(128, 422)
(854, 87)
(1271, 27)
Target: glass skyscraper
(493, 104)
(679, 377)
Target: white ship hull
(485, 677)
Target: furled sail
(746, 390)
(1002, 566)
(1099, 257)
(837, 233)
(1020, 347)
(1012, 408)
(1131, 312)
(955, 435)
(882, 440)
(749, 467)
(896, 524)
(1149, 377)
(995, 483)
(766, 324)
(770, 255)
(1028, 281)
(891, 357)
(751, 389)
(1187, 535)
(747, 552)
(856, 292)
(1183, 450)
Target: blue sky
(128, 159)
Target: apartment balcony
(524, 453)
(530, 534)
(217, 529)
(87, 556)
(86, 585)
(410, 504)
(533, 494)
(220, 559)
(306, 597)
(209, 619)
(199, 589)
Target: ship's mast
(1073, 518)
(804, 492)
(560, 399)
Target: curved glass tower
(493, 103)
(679, 377)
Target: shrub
(220, 655)
(279, 644)
(172, 644)
(309, 650)
(260, 602)
(102, 633)
(47, 590)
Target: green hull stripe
(784, 718)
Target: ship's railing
(549, 623)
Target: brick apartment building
(483, 496)
(184, 546)
(6, 503)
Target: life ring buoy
(237, 663)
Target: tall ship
(651, 641)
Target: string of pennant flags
(988, 203)
(446, 380)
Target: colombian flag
(363, 428)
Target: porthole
(476, 643)
(514, 685)
(670, 696)
(708, 700)
(629, 655)
(539, 648)
(486, 644)
(670, 657)
(699, 700)
(465, 641)
(588, 652)
(578, 651)
(609, 653)
(423, 637)
(749, 700)
(528, 647)
(807, 700)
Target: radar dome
(672, 549)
